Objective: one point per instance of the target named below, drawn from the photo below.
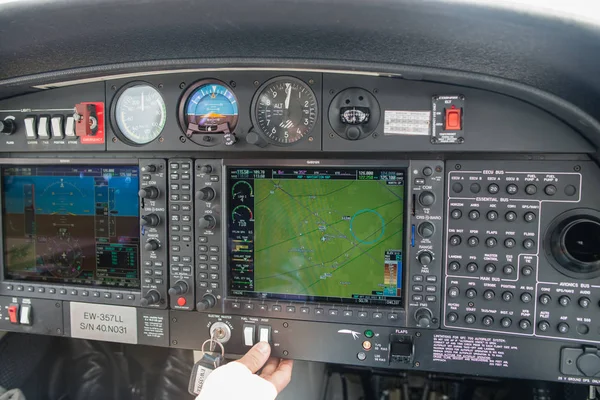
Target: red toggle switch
(453, 119)
(13, 314)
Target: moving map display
(68, 224)
(326, 234)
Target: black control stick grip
(178, 288)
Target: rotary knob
(149, 192)
(426, 199)
(426, 230)
(205, 194)
(7, 127)
(150, 220)
(152, 297)
(423, 317)
(152, 245)
(425, 258)
(179, 288)
(208, 301)
(207, 222)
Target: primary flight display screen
(317, 234)
(71, 224)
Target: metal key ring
(217, 342)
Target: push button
(453, 119)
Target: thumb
(256, 357)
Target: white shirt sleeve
(235, 381)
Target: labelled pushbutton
(57, 127)
(44, 128)
(30, 130)
(25, 315)
(453, 119)
(264, 333)
(249, 335)
(13, 313)
(70, 127)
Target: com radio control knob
(205, 194)
(152, 245)
(426, 230)
(207, 222)
(7, 127)
(425, 258)
(206, 169)
(179, 288)
(149, 192)
(208, 301)
(152, 297)
(150, 220)
(426, 199)
(423, 317)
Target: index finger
(282, 375)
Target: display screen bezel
(343, 164)
(84, 162)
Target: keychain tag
(204, 367)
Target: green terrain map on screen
(324, 237)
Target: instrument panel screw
(59, 331)
(375, 135)
(461, 140)
(433, 140)
(113, 88)
(174, 342)
(114, 140)
(174, 320)
(256, 83)
(181, 85)
(232, 84)
(375, 90)
(311, 81)
(285, 352)
(285, 324)
(577, 168)
(310, 138)
(417, 364)
(57, 305)
(418, 334)
(160, 85)
(331, 91)
(182, 139)
(161, 139)
(458, 167)
(332, 135)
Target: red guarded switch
(453, 119)
(13, 313)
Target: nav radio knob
(425, 258)
(7, 127)
(208, 301)
(179, 288)
(426, 199)
(149, 192)
(152, 297)
(207, 222)
(205, 194)
(150, 220)
(152, 245)
(423, 317)
(426, 230)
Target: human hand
(238, 379)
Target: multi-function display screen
(72, 225)
(319, 234)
